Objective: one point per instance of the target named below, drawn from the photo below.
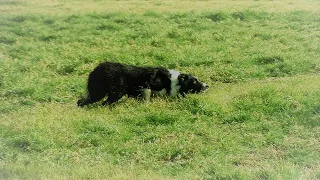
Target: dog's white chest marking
(174, 82)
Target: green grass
(260, 118)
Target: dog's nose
(205, 86)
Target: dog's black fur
(116, 80)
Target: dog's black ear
(182, 78)
(183, 82)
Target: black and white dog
(116, 80)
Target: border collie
(116, 80)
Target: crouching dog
(115, 80)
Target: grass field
(260, 119)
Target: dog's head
(190, 84)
